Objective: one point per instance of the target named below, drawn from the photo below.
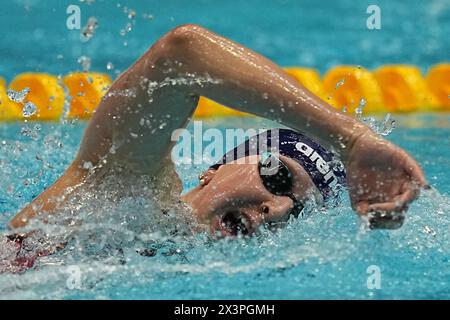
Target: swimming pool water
(318, 34)
(323, 256)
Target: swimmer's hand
(383, 179)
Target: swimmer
(232, 197)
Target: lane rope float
(389, 88)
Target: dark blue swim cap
(325, 169)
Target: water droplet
(87, 165)
(109, 66)
(384, 127)
(147, 16)
(29, 109)
(340, 83)
(359, 110)
(131, 14)
(88, 31)
(362, 102)
(388, 125)
(17, 96)
(85, 62)
(429, 230)
(25, 132)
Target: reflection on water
(418, 120)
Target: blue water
(310, 33)
(323, 256)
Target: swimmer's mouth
(235, 223)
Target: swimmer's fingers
(362, 207)
(390, 215)
(415, 171)
(387, 207)
(381, 216)
(385, 220)
(399, 203)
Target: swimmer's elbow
(183, 37)
(185, 32)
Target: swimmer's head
(263, 185)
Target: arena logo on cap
(322, 166)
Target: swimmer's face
(233, 199)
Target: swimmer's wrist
(358, 133)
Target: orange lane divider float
(404, 89)
(351, 87)
(438, 81)
(390, 88)
(207, 108)
(45, 95)
(7, 112)
(86, 90)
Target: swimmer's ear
(206, 176)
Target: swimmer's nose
(277, 210)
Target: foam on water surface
(126, 248)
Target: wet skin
(234, 194)
(382, 177)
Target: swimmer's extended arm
(159, 94)
(133, 125)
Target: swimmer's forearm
(48, 201)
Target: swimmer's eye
(275, 176)
(277, 179)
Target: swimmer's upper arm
(134, 123)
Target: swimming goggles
(277, 179)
